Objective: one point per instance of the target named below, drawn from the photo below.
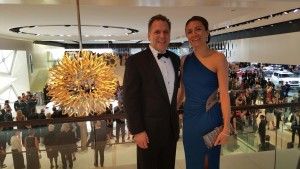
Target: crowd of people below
(252, 88)
(57, 138)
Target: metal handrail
(119, 116)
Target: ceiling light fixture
(257, 19)
(28, 30)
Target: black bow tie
(160, 55)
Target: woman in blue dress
(203, 72)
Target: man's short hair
(158, 17)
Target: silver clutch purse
(210, 138)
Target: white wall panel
(276, 49)
(15, 80)
(39, 75)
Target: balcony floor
(123, 156)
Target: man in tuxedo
(21, 105)
(149, 97)
(17, 104)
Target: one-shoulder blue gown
(200, 83)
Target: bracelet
(225, 134)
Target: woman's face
(196, 33)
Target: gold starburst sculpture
(82, 84)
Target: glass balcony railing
(18, 141)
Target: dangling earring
(190, 47)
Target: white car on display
(285, 76)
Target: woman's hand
(222, 138)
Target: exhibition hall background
(24, 65)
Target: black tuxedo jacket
(146, 102)
(20, 106)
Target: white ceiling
(131, 14)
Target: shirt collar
(154, 52)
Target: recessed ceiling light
(59, 40)
(21, 29)
(100, 40)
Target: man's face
(159, 35)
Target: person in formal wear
(20, 105)
(31, 104)
(32, 150)
(7, 107)
(262, 131)
(43, 128)
(66, 140)
(287, 89)
(7, 116)
(204, 76)
(17, 104)
(50, 141)
(150, 88)
(16, 150)
(99, 138)
(120, 123)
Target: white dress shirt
(167, 71)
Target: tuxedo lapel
(157, 73)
